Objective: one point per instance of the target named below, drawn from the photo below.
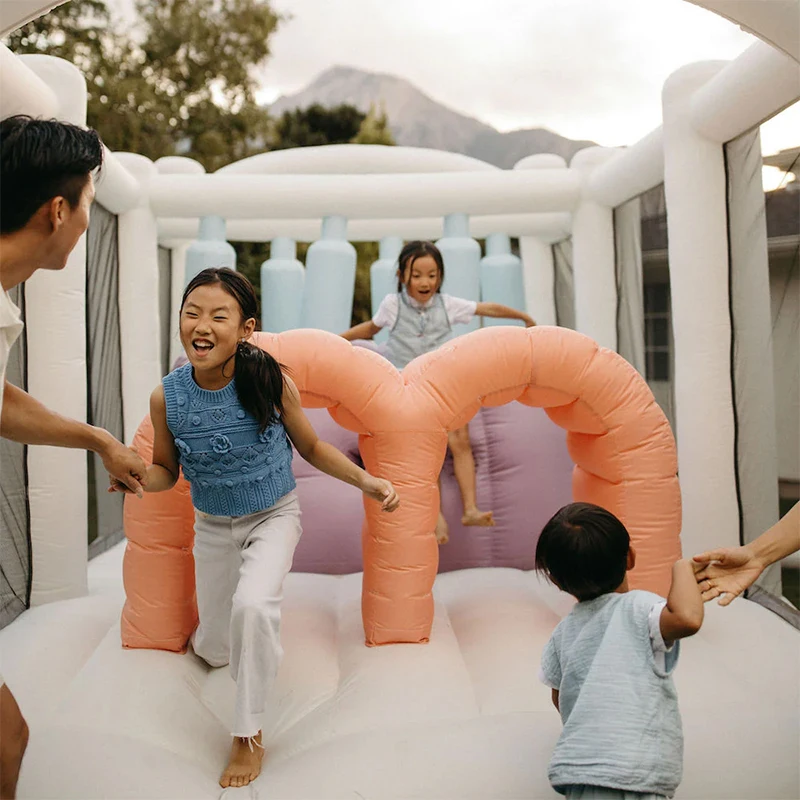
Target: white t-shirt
(458, 310)
(10, 328)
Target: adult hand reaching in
(727, 572)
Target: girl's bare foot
(442, 530)
(244, 765)
(482, 519)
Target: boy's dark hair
(39, 160)
(258, 377)
(411, 252)
(583, 550)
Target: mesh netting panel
(564, 284)
(104, 371)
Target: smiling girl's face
(211, 327)
(422, 278)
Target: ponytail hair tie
(259, 383)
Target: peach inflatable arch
(618, 437)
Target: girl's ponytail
(259, 383)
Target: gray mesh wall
(564, 284)
(752, 373)
(659, 351)
(104, 371)
(15, 540)
(630, 292)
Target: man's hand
(726, 572)
(125, 467)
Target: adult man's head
(46, 188)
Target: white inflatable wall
(55, 314)
(593, 255)
(138, 290)
(407, 192)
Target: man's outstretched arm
(27, 421)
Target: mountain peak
(416, 120)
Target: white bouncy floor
(461, 718)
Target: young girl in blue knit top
(421, 319)
(227, 418)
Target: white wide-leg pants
(240, 566)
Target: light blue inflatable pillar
(501, 278)
(383, 276)
(330, 279)
(282, 281)
(210, 249)
(462, 264)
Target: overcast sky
(587, 69)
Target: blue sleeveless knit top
(233, 470)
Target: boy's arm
(683, 614)
(550, 669)
(366, 330)
(503, 312)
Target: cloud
(585, 68)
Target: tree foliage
(181, 80)
(316, 125)
(374, 129)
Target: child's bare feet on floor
(244, 765)
(442, 530)
(482, 519)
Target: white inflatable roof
(365, 196)
(352, 159)
(16, 13)
(777, 22)
(548, 227)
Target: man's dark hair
(583, 550)
(39, 160)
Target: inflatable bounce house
(410, 669)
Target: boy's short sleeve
(550, 670)
(386, 315)
(666, 657)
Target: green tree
(317, 125)
(181, 80)
(184, 84)
(374, 129)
